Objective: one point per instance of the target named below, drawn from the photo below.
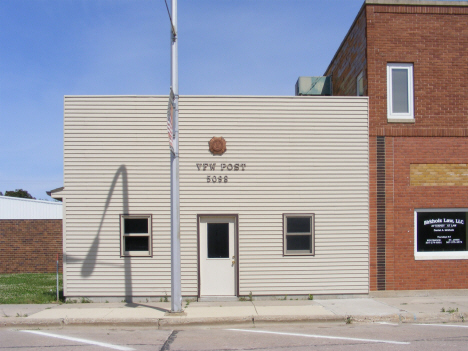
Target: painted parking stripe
(83, 341)
(322, 336)
(387, 323)
(445, 325)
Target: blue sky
(52, 48)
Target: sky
(52, 48)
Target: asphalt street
(281, 337)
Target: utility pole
(176, 294)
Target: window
(440, 234)
(136, 238)
(298, 234)
(218, 240)
(360, 84)
(400, 91)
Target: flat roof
(21, 208)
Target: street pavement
(412, 307)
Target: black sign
(441, 231)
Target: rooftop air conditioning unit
(314, 86)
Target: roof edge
(210, 96)
(29, 200)
(56, 193)
(416, 2)
(346, 36)
(395, 3)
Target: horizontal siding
(302, 154)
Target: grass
(29, 288)
(449, 310)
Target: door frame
(236, 248)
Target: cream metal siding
(302, 155)
(116, 161)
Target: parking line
(322, 336)
(445, 325)
(84, 341)
(387, 323)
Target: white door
(217, 256)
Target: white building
(30, 235)
(283, 211)
(19, 208)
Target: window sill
(136, 254)
(401, 120)
(461, 255)
(299, 254)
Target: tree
(19, 193)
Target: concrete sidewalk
(384, 308)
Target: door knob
(233, 260)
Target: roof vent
(314, 86)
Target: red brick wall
(402, 270)
(435, 40)
(350, 60)
(30, 245)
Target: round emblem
(217, 145)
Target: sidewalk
(397, 309)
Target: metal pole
(176, 295)
(57, 277)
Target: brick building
(30, 235)
(411, 59)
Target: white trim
(394, 115)
(310, 252)
(422, 256)
(446, 255)
(147, 253)
(217, 275)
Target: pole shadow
(89, 263)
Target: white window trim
(148, 253)
(447, 255)
(312, 234)
(359, 77)
(409, 116)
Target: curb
(30, 322)
(170, 322)
(219, 321)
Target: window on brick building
(136, 238)
(440, 234)
(360, 84)
(298, 234)
(400, 104)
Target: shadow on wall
(90, 262)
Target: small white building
(20, 208)
(30, 235)
(283, 211)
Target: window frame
(311, 233)
(400, 116)
(360, 78)
(436, 255)
(149, 252)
